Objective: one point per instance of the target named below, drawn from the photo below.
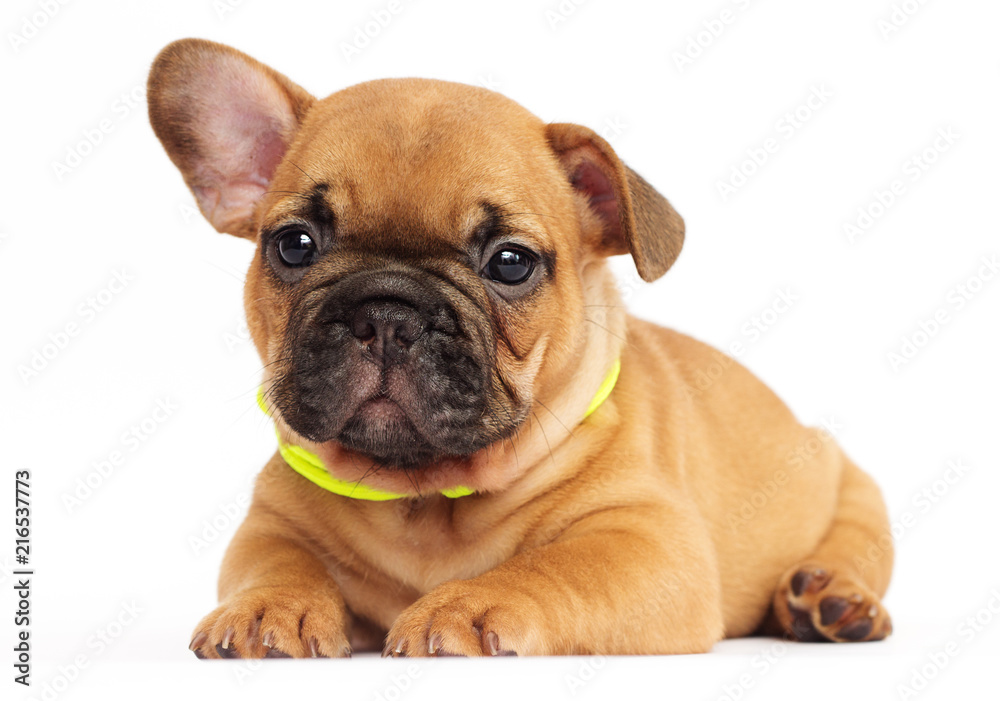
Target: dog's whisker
(303, 172)
(606, 329)
(508, 437)
(230, 273)
(274, 362)
(529, 214)
(545, 436)
(371, 469)
(568, 430)
(287, 192)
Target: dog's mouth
(386, 365)
(381, 429)
(380, 410)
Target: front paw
(274, 622)
(466, 618)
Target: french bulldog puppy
(481, 452)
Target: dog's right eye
(295, 248)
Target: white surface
(174, 332)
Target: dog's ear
(635, 217)
(226, 121)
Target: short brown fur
(619, 534)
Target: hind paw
(816, 604)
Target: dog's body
(434, 311)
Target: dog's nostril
(362, 330)
(387, 328)
(407, 331)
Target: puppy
(481, 453)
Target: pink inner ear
(242, 119)
(592, 182)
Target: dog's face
(422, 247)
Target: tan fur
(619, 534)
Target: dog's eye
(296, 248)
(510, 266)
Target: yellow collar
(311, 467)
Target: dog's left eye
(510, 266)
(296, 248)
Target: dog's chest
(421, 547)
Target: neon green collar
(311, 467)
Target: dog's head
(424, 249)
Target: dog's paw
(815, 604)
(273, 622)
(463, 618)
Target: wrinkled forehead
(433, 155)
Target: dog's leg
(628, 580)
(836, 594)
(278, 599)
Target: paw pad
(820, 605)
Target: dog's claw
(227, 653)
(493, 643)
(197, 641)
(268, 640)
(392, 651)
(227, 639)
(813, 581)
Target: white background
(174, 333)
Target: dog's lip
(380, 408)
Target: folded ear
(226, 121)
(635, 218)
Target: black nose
(387, 328)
